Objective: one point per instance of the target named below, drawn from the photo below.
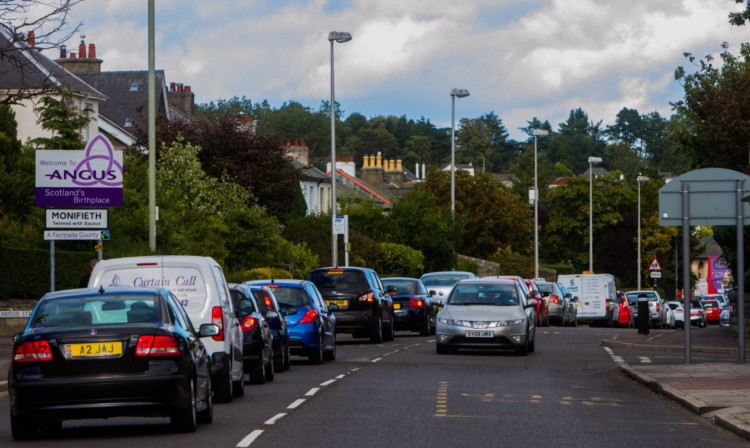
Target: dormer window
(134, 86)
(128, 122)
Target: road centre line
(376, 360)
(390, 353)
(296, 403)
(645, 359)
(312, 391)
(341, 376)
(326, 383)
(275, 418)
(250, 438)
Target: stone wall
(12, 325)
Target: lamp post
(334, 36)
(461, 93)
(592, 161)
(537, 133)
(640, 179)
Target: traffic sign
(654, 265)
(655, 274)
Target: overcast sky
(518, 58)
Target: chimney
(82, 50)
(80, 63)
(31, 39)
(63, 52)
(182, 98)
(92, 51)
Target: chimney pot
(179, 87)
(31, 40)
(92, 51)
(187, 88)
(63, 52)
(82, 50)
(172, 86)
(72, 56)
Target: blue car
(271, 309)
(311, 325)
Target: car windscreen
(484, 294)
(442, 279)
(96, 310)
(546, 288)
(651, 295)
(340, 281)
(710, 303)
(289, 296)
(403, 287)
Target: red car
(626, 314)
(542, 306)
(713, 310)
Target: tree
(223, 109)
(16, 170)
(739, 18)
(485, 138)
(43, 22)
(58, 115)
(576, 141)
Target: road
(569, 392)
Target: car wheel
(23, 428)
(524, 350)
(376, 335)
(270, 368)
(186, 420)
(317, 356)
(207, 414)
(224, 393)
(257, 372)
(426, 328)
(390, 332)
(278, 362)
(287, 362)
(532, 345)
(330, 355)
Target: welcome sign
(80, 178)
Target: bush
(401, 260)
(25, 273)
(258, 274)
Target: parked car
(257, 341)
(622, 315)
(655, 305)
(572, 306)
(200, 286)
(439, 284)
(558, 306)
(271, 311)
(311, 324)
(359, 301)
(724, 318)
(542, 312)
(413, 307)
(106, 352)
(713, 310)
(487, 314)
(697, 313)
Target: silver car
(487, 314)
(439, 284)
(559, 307)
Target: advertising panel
(80, 178)
(719, 274)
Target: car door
(386, 303)
(328, 329)
(195, 347)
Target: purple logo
(92, 332)
(115, 281)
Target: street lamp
(592, 161)
(334, 36)
(461, 93)
(639, 179)
(537, 133)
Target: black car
(88, 353)
(257, 341)
(359, 301)
(271, 310)
(413, 307)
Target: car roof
(281, 282)
(485, 280)
(119, 290)
(447, 273)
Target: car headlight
(481, 324)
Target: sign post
(655, 269)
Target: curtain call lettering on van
(162, 282)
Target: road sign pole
(740, 272)
(686, 292)
(52, 265)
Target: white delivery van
(594, 295)
(200, 286)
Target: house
(25, 70)
(507, 180)
(468, 167)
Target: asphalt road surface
(402, 394)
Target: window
(134, 86)
(128, 122)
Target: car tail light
(554, 299)
(657, 306)
(267, 299)
(248, 324)
(606, 304)
(416, 303)
(217, 317)
(32, 351)
(369, 297)
(309, 317)
(157, 346)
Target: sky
(518, 58)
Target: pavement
(719, 391)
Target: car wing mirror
(17, 337)
(271, 314)
(208, 330)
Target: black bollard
(644, 315)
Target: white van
(596, 293)
(199, 284)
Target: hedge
(25, 273)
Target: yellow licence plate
(93, 350)
(339, 303)
(396, 306)
(440, 308)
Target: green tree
(16, 170)
(401, 260)
(58, 115)
(576, 141)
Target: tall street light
(537, 133)
(334, 36)
(461, 93)
(592, 161)
(640, 179)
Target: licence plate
(440, 308)
(93, 350)
(396, 306)
(479, 334)
(338, 303)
